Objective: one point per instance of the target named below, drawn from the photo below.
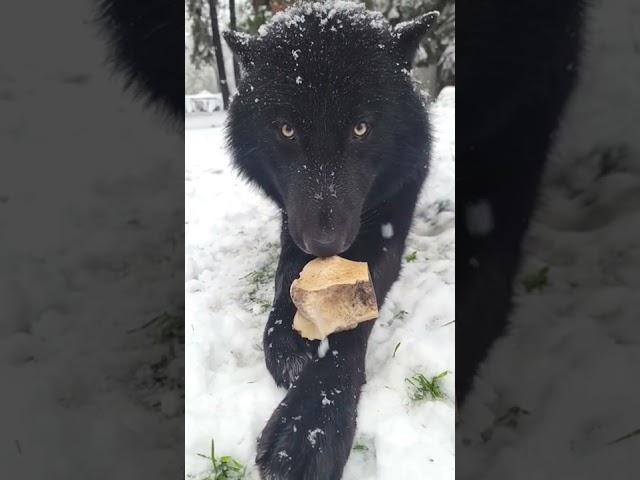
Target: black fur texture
(518, 66)
(147, 46)
(321, 72)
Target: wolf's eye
(360, 129)
(287, 131)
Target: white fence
(203, 102)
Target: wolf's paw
(286, 354)
(308, 437)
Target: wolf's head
(327, 121)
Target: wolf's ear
(409, 33)
(241, 44)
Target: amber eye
(287, 131)
(360, 129)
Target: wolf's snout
(326, 227)
(325, 245)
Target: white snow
(479, 219)
(323, 347)
(79, 399)
(575, 346)
(232, 231)
(386, 229)
(313, 434)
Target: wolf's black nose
(325, 246)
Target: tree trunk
(232, 26)
(217, 50)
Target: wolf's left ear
(409, 33)
(241, 44)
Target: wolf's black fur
(147, 45)
(321, 73)
(516, 68)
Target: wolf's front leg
(309, 435)
(285, 351)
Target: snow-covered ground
(574, 347)
(90, 222)
(231, 233)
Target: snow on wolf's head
(327, 120)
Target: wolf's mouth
(325, 246)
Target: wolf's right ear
(241, 44)
(409, 33)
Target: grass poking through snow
(224, 468)
(358, 447)
(401, 315)
(536, 280)
(411, 257)
(629, 435)
(420, 388)
(260, 280)
(170, 326)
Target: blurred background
(211, 74)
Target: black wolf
(519, 65)
(146, 40)
(328, 124)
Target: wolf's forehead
(314, 53)
(319, 88)
(325, 50)
(325, 26)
